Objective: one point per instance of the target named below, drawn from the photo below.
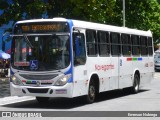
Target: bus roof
(91, 25)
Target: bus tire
(90, 98)
(135, 87)
(42, 99)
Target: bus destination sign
(41, 27)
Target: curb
(15, 99)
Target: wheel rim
(92, 93)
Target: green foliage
(140, 14)
(21, 9)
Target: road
(148, 99)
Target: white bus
(68, 58)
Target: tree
(140, 14)
(21, 9)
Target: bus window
(144, 46)
(79, 49)
(103, 43)
(135, 45)
(115, 44)
(126, 44)
(91, 42)
(150, 48)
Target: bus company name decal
(104, 67)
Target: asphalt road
(148, 99)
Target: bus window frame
(92, 42)
(106, 43)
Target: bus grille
(38, 77)
(41, 83)
(33, 90)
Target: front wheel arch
(93, 89)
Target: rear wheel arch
(136, 82)
(137, 73)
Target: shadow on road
(69, 103)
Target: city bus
(67, 58)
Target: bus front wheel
(90, 98)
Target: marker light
(15, 80)
(63, 80)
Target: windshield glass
(40, 52)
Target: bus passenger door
(79, 69)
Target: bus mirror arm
(76, 30)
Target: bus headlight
(15, 80)
(63, 80)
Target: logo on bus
(104, 67)
(38, 83)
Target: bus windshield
(40, 52)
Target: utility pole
(124, 13)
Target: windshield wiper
(27, 41)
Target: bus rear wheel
(90, 98)
(42, 99)
(135, 87)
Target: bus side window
(126, 45)
(144, 46)
(115, 44)
(79, 49)
(135, 45)
(103, 43)
(91, 43)
(150, 46)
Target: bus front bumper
(47, 91)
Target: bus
(68, 58)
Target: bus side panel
(82, 75)
(143, 66)
(80, 81)
(125, 72)
(147, 71)
(104, 69)
(115, 73)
